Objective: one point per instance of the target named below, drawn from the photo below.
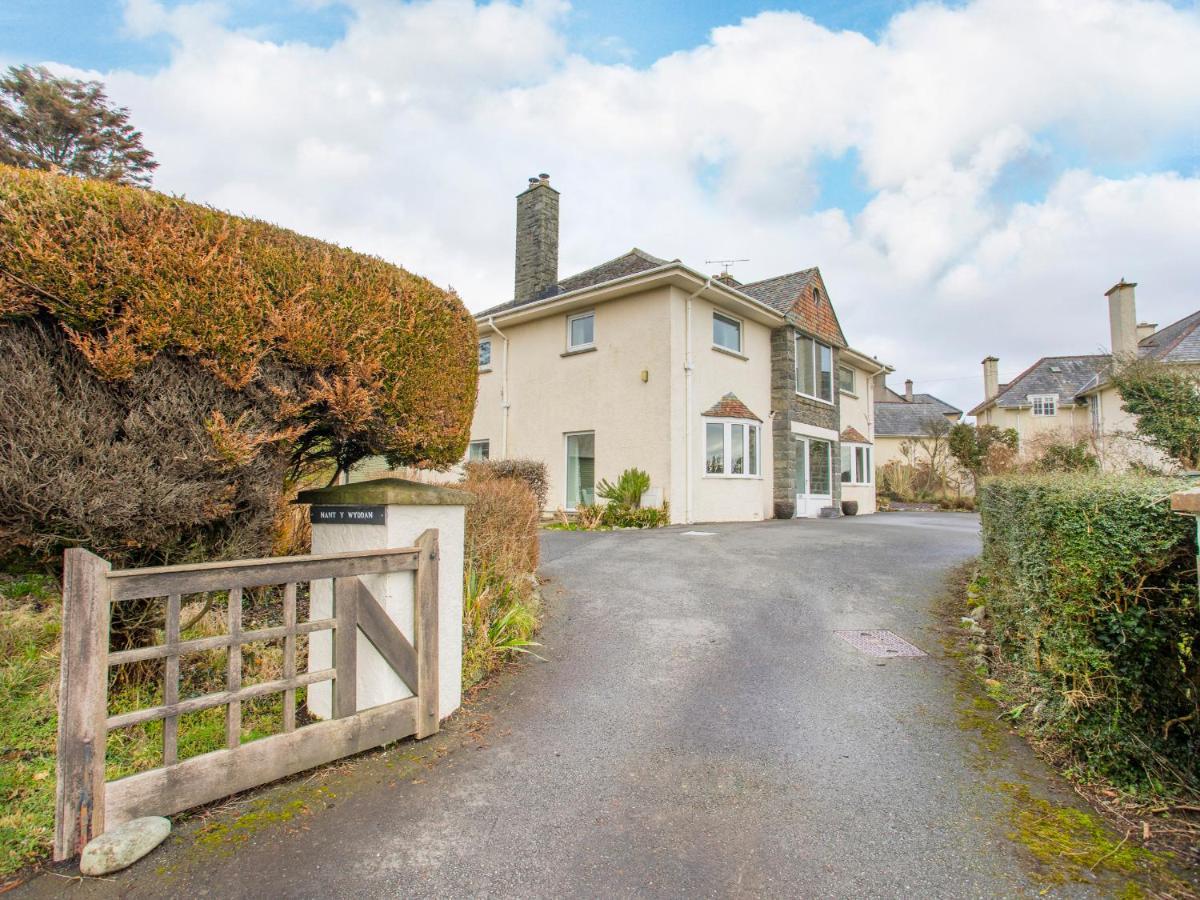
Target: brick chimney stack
(991, 377)
(1122, 320)
(908, 389)
(537, 239)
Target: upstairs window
(846, 379)
(1044, 404)
(485, 354)
(814, 369)
(581, 331)
(727, 332)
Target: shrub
(500, 596)
(207, 352)
(1067, 456)
(627, 491)
(616, 515)
(1090, 582)
(1166, 401)
(530, 471)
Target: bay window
(732, 448)
(856, 464)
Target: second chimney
(1145, 329)
(1122, 320)
(908, 390)
(537, 239)
(991, 377)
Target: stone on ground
(123, 845)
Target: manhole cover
(879, 643)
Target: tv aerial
(724, 263)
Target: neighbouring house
(905, 424)
(742, 401)
(1071, 398)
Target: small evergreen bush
(1090, 582)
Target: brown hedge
(380, 361)
(164, 368)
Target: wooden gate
(86, 804)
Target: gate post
(82, 703)
(387, 513)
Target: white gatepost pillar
(384, 514)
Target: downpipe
(504, 404)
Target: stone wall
(787, 407)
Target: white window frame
(857, 478)
(485, 443)
(1094, 403)
(853, 389)
(1044, 402)
(741, 332)
(567, 435)
(590, 314)
(817, 346)
(486, 366)
(754, 462)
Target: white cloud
(410, 136)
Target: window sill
(735, 354)
(577, 350)
(847, 393)
(815, 399)
(484, 369)
(733, 477)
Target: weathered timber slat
(233, 671)
(202, 779)
(171, 683)
(208, 701)
(345, 646)
(79, 801)
(425, 629)
(163, 651)
(388, 639)
(159, 581)
(289, 655)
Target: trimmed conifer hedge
(279, 351)
(1090, 582)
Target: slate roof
(891, 396)
(796, 293)
(1062, 375)
(906, 419)
(626, 264)
(730, 407)
(1179, 342)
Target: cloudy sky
(970, 177)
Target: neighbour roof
(798, 293)
(1062, 375)
(1178, 342)
(890, 396)
(730, 407)
(906, 419)
(852, 435)
(626, 264)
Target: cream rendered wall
(1114, 443)
(887, 449)
(551, 393)
(714, 498)
(858, 412)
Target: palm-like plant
(628, 490)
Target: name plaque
(348, 515)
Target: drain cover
(879, 643)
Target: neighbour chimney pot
(908, 395)
(991, 377)
(1122, 320)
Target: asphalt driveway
(695, 729)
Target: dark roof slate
(1178, 342)
(1062, 375)
(626, 264)
(797, 294)
(906, 419)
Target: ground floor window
(856, 464)
(732, 448)
(478, 450)
(581, 469)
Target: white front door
(814, 482)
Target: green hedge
(1091, 585)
